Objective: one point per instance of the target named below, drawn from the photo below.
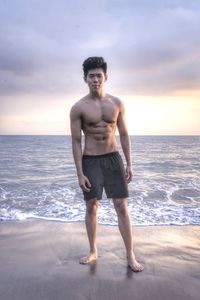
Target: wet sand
(39, 260)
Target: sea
(38, 180)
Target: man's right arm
(75, 123)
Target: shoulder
(77, 108)
(117, 102)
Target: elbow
(76, 142)
(124, 138)
(124, 134)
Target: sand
(39, 260)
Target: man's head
(94, 62)
(94, 69)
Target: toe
(136, 267)
(87, 260)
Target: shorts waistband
(86, 156)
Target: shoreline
(40, 260)
(35, 219)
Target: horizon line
(19, 134)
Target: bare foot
(88, 259)
(134, 265)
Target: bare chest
(96, 113)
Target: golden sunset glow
(144, 115)
(153, 66)
(163, 115)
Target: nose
(95, 79)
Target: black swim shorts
(105, 171)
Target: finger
(129, 177)
(85, 188)
(129, 180)
(88, 183)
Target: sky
(152, 48)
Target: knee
(121, 209)
(92, 208)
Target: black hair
(93, 63)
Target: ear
(106, 77)
(84, 78)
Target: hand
(84, 183)
(129, 174)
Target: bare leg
(91, 226)
(125, 227)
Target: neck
(97, 95)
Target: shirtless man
(100, 165)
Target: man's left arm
(125, 141)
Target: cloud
(150, 46)
(160, 52)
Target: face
(95, 79)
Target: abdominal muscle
(99, 140)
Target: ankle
(130, 254)
(93, 251)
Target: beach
(39, 260)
